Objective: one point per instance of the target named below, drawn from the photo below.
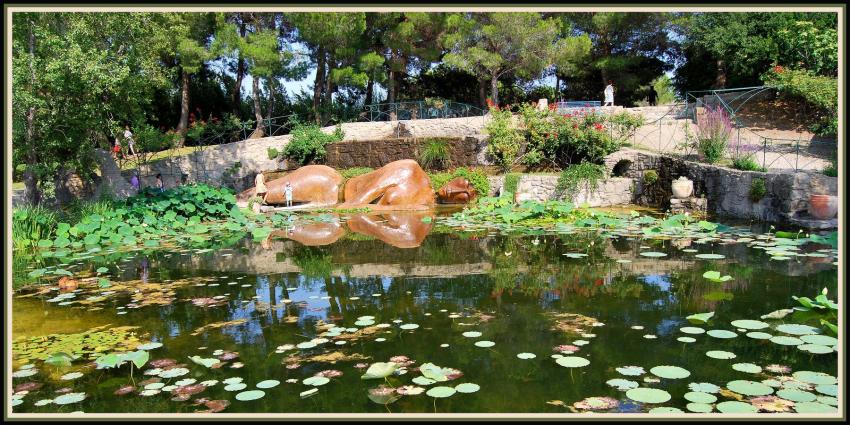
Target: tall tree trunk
(482, 93)
(327, 95)
(720, 78)
(183, 125)
(33, 194)
(270, 112)
(258, 113)
(494, 88)
(370, 90)
(240, 73)
(557, 87)
(391, 87)
(318, 84)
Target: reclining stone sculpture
(312, 185)
(456, 191)
(400, 183)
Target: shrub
(205, 202)
(821, 92)
(308, 143)
(831, 170)
(747, 163)
(713, 130)
(354, 172)
(504, 141)
(273, 153)
(757, 190)
(574, 176)
(650, 177)
(31, 225)
(511, 184)
(476, 178)
(435, 154)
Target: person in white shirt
(130, 143)
(609, 94)
(287, 192)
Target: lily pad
(751, 388)
(421, 380)
(735, 407)
(250, 395)
(653, 254)
(648, 395)
(485, 344)
(819, 339)
(828, 390)
(409, 326)
(572, 361)
(149, 346)
(236, 387)
(526, 356)
(380, 370)
(472, 334)
(622, 384)
(71, 376)
(786, 340)
(796, 396)
(316, 381)
(692, 330)
(700, 397)
(701, 317)
(670, 372)
(794, 329)
(308, 393)
(722, 355)
(686, 339)
(699, 407)
(759, 335)
(813, 407)
(467, 388)
(750, 324)
(441, 392)
(631, 370)
(269, 383)
(704, 387)
(815, 349)
(814, 378)
(173, 373)
(715, 276)
(710, 256)
(721, 333)
(747, 367)
(69, 398)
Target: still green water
(622, 309)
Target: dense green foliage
(757, 189)
(32, 224)
(436, 153)
(747, 163)
(650, 177)
(308, 143)
(354, 172)
(505, 140)
(477, 178)
(510, 185)
(820, 92)
(585, 175)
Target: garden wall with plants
(437, 152)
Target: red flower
(552, 106)
(490, 103)
(598, 126)
(778, 69)
(575, 125)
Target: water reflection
(401, 230)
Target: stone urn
(823, 207)
(682, 187)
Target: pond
(393, 313)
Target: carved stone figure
(456, 191)
(401, 230)
(314, 185)
(398, 184)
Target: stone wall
(542, 187)
(727, 190)
(377, 153)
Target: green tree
(76, 78)
(492, 45)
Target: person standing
(260, 186)
(137, 184)
(653, 96)
(159, 184)
(287, 193)
(130, 142)
(609, 94)
(116, 149)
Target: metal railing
(421, 109)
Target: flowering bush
(743, 155)
(504, 139)
(577, 136)
(713, 130)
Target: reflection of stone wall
(727, 190)
(380, 152)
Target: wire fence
(771, 134)
(422, 109)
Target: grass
(129, 164)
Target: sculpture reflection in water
(399, 229)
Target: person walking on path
(130, 142)
(116, 149)
(609, 94)
(260, 186)
(653, 96)
(287, 192)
